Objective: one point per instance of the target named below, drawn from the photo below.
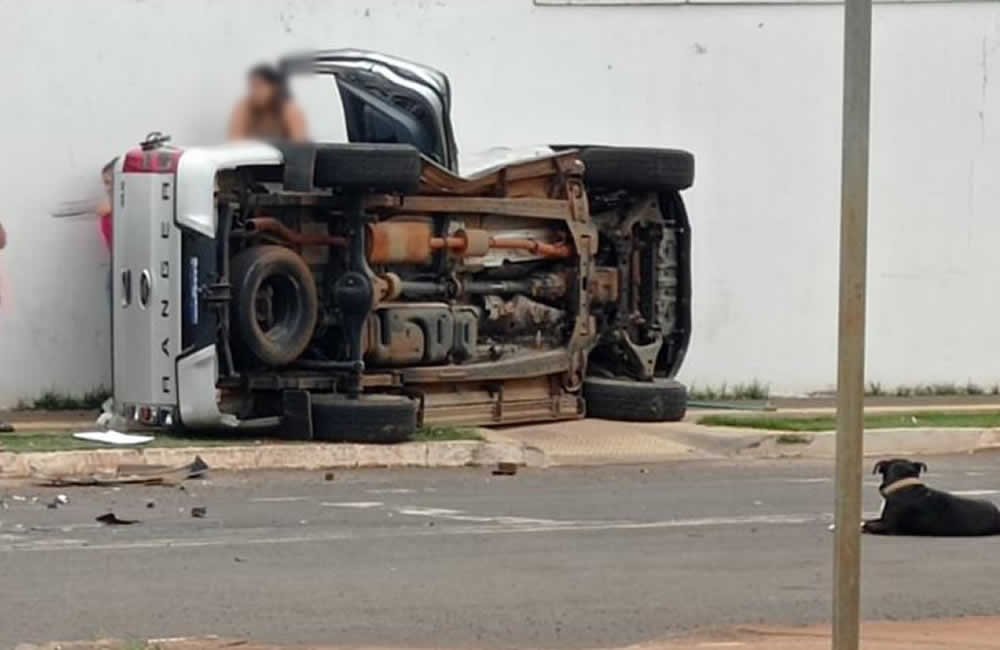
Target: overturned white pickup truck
(352, 291)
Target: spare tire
(378, 419)
(660, 400)
(275, 304)
(368, 167)
(637, 168)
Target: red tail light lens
(152, 161)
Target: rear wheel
(636, 168)
(659, 400)
(275, 304)
(379, 419)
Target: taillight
(152, 161)
(145, 415)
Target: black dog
(912, 508)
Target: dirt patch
(972, 633)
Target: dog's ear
(921, 467)
(879, 467)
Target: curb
(877, 442)
(278, 457)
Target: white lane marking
(391, 491)
(975, 473)
(458, 515)
(722, 644)
(57, 543)
(807, 480)
(975, 493)
(346, 535)
(278, 499)
(360, 505)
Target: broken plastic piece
(129, 474)
(505, 469)
(111, 519)
(113, 437)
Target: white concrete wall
(753, 90)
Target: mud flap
(296, 422)
(300, 166)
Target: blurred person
(4, 427)
(268, 112)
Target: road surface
(562, 558)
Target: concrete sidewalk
(591, 441)
(572, 442)
(459, 453)
(978, 633)
(973, 633)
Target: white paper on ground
(113, 437)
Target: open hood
(389, 100)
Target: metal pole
(851, 338)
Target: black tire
(368, 167)
(378, 419)
(293, 308)
(637, 168)
(660, 400)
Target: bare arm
(104, 206)
(295, 122)
(239, 122)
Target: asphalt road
(566, 558)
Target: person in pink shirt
(104, 206)
(4, 427)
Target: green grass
(793, 439)
(941, 389)
(46, 441)
(53, 441)
(439, 434)
(52, 400)
(933, 419)
(754, 390)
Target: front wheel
(635, 168)
(372, 419)
(659, 400)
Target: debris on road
(505, 469)
(199, 512)
(150, 505)
(111, 519)
(328, 476)
(129, 474)
(115, 438)
(60, 500)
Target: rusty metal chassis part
(641, 355)
(537, 386)
(561, 175)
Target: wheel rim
(277, 307)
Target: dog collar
(899, 485)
